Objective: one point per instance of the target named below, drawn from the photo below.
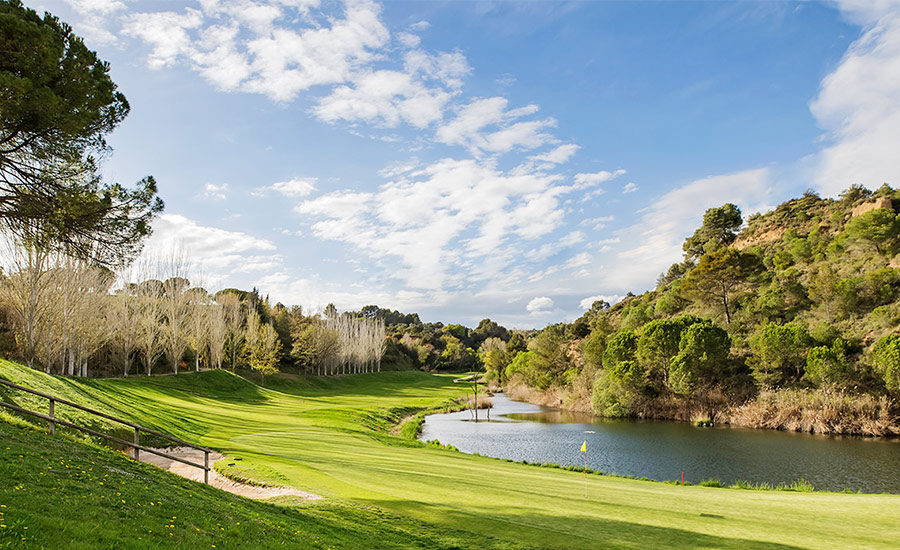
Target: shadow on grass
(133, 399)
(574, 531)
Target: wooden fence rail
(136, 444)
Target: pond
(663, 450)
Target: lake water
(662, 450)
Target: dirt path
(215, 478)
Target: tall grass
(832, 412)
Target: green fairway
(329, 436)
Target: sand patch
(215, 478)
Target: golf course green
(332, 437)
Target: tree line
(69, 317)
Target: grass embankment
(328, 436)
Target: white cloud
(438, 220)
(539, 305)
(579, 260)
(657, 238)
(96, 7)
(866, 12)
(167, 33)
(384, 97)
(239, 46)
(218, 252)
(447, 68)
(558, 155)
(294, 188)
(572, 238)
(282, 48)
(593, 193)
(417, 95)
(399, 168)
(586, 180)
(597, 223)
(630, 187)
(408, 39)
(215, 192)
(486, 125)
(859, 105)
(252, 264)
(420, 26)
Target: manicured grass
(329, 436)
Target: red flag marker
(682, 478)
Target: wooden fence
(136, 444)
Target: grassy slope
(321, 436)
(58, 493)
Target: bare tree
(176, 306)
(360, 343)
(198, 322)
(217, 335)
(124, 317)
(234, 321)
(150, 337)
(92, 327)
(26, 291)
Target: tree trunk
(725, 303)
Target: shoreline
(767, 411)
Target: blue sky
(471, 159)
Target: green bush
(828, 366)
(886, 355)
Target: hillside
(788, 321)
(331, 436)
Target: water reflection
(662, 450)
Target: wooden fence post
(137, 441)
(206, 467)
(52, 423)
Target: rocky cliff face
(745, 240)
(880, 202)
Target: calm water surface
(662, 450)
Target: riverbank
(818, 412)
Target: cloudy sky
(469, 159)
